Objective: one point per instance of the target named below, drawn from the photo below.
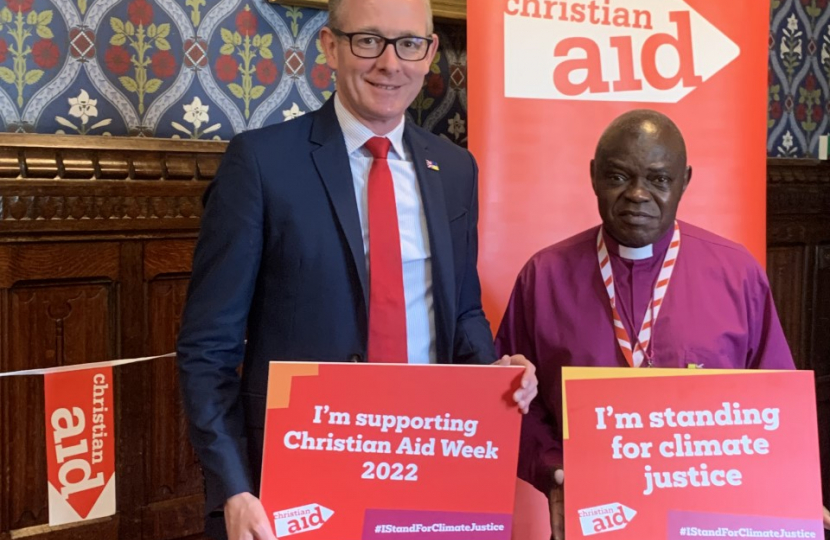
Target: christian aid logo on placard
(610, 50)
(605, 518)
(301, 519)
(80, 449)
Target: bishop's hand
(557, 506)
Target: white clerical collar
(356, 134)
(637, 254)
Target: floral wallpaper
(207, 69)
(799, 77)
(194, 69)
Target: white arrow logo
(605, 518)
(610, 50)
(301, 519)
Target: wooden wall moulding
(74, 157)
(442, 10)
(54, 183)
(96, 240)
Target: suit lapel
(440, 243)
(332, 162)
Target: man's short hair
(335, 8)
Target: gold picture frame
(442, 10)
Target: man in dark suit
(346, 234)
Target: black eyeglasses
(366, 45)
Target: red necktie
(387, 308)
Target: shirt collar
(356, 133)
(642, 253)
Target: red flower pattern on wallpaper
(140, 12)
(435, 84)
(20, 6)
(246, 23)
(266, 71)
(321, 76)
(46, 53)
(226, 68)
(163, 64)
(117, 60)
(433, 88)
(141, 46)
(246, 44)
(29, 42)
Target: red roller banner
(546, 77)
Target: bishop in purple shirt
(716, 312)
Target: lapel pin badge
(432, 165)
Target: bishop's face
(639, 179)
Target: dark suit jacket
(280, 254)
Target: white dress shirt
(412, 226)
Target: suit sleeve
(473, 338)
(768, 347)
(540, 446)
(211, 341)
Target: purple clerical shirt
(717, 313)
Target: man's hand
(557, 506)
(245, 519)
(827, 519)
(529, 386)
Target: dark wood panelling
(96, 237)
(174, 468)
(52, 324)
(169, 257)
(132, 387)
(5, 418)
(174, 519)
(44, 261)
(59, 310)
(52, 206)
(785, 267)
(820, 325)
(821, 312)
(173, 473)
(798, 233)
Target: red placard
(665, 455)
(374, 451)
(80, 444)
